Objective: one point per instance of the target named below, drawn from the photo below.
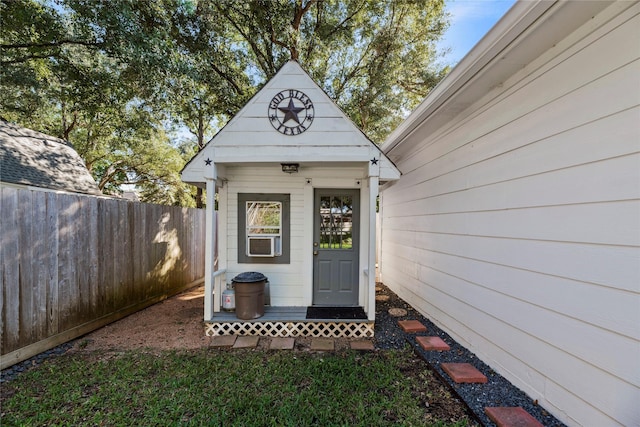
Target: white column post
(374, 176)
(307, 243)
(209, 300)
(220, 282)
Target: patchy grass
(243, 388)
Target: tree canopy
(117, 78)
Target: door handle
(315, 252)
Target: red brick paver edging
(433, 343)
(511, 417)
(463, 373)
(411, 326)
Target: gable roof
(249, 136)
(34, 159)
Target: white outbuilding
(295, 183)
(516, 224)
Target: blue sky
(470, 21)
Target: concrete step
(246, 342)
(223, 341)
(282, 343)
(316, 344)
(362, 345)
(322, 344)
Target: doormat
(336, 313)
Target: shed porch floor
(278, 314)
(287, 322)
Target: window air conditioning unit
(264, 246)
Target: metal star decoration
(290, 112)
(207, 162)
(374, 161)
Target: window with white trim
(263, 228)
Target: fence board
(11, 268)
(2, 273)
(139, 237)
(40, 265)
(110, 235)
(82, 260)
(25, 279)
(91, 232)
(52, 264)
(66, 267)
(73, 263)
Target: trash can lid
(249, 277)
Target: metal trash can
(249, 288)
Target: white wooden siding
(516, 226)
(288, 282)
(249, 136)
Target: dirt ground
(175, 323)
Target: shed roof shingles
(32, 158)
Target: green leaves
(376, 59)
(109, 75)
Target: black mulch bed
(496, 392)
(13, 371)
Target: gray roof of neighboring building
(34, 159)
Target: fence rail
(73, 263)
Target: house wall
(516, 226)
(291, 284)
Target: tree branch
(356, 68)
(109, 173)
(25, 59)
(260, 57)
(226, 77)
(345, 20)
(300, 11)
(57, 43)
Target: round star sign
(291, 112)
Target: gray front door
(335, 247)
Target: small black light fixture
(289, 167)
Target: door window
(336, 222)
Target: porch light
(290, 167)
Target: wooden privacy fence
(73, 263)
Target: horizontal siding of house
(286, 280)
(517, 227)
